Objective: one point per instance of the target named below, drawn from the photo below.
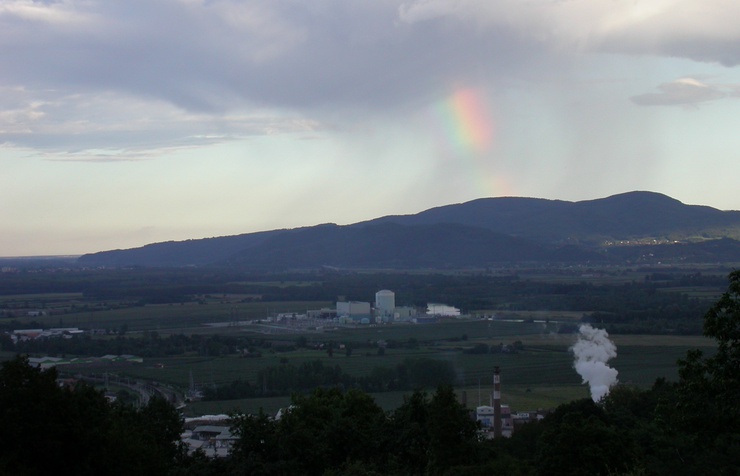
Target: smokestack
(496, 402)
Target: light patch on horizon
(684, 91)
(52, 13)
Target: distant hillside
(633, 215)
(178, 253)
(477, 233)
(392, 245)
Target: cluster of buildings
(497, 420)
(212, 439)
(48, 362)
(384, 310)
(21, 335)
(25, 335)
(211, 433)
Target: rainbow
(465, 131)
(466, 121)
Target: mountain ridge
(481, 232)
(556, 220)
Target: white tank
(385, 301)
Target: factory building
(385, 311)
(442, 310)
(485, 414)
(496, 420)
(353, 310)
(404, 313)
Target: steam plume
(592, 351)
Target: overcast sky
(126, 122)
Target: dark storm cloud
(156, 64)
(206, 55)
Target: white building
(385, 302)
(485, 415)
(213, 440)
(353, 309)
(436, 309)
(404, 313)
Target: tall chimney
(496, 402)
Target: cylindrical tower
(385, 301)
(496, 402)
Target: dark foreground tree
(47, 428)
(151, 434)
(257, 450)
(579, 438)
(432, 435)
(326, 430)
(708, 404)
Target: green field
(184, 318)
(540, 376)
(39, 297)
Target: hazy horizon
(73, 255)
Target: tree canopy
(47, 426)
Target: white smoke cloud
(592, 351)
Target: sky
(127, 122)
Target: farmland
(211, 330)
(540, 375)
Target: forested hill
(481, 232)
(633, 215)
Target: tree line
(47, 427)
(648, 305)
(287, 379)
(146, 344)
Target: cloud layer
(80, 75)
(392, 93)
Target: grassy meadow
(539, 376)
(184, 318)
